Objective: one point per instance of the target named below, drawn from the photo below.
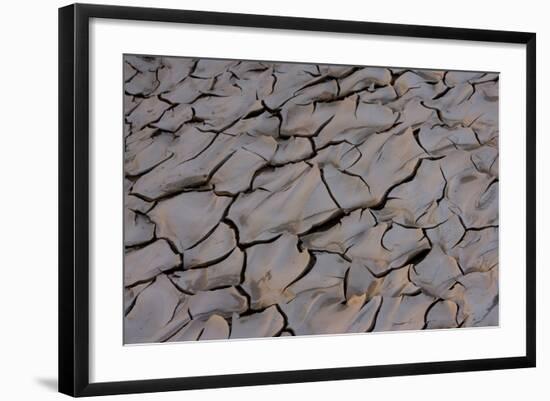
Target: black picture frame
(74, 202)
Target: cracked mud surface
(275, 199)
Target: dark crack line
(307, 269)
(129, 308)
(246, 245)
(210, 262)
(428, 311)
(375, 317)
(179, 288)
(342, 255)
(380, 205)
(417, 139)
(388, 228)
(443, 93)
(286, 324)
(323, 179)
(345, 284)
(148, 170)
(346, 172)
(327, 224)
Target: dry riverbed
(271, 199)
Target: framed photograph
(251, 199)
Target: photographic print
(267, 199)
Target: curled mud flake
(181, 169)
(403, 313)
(131, 294)
(143, 63)
(137, 141)
(188, 218)
(267, 323)
(174, 118)
(147, 262)
(322, 311)
(159, 312)
(129, 71)
(142, 84)
(130, 103)
(147, 112)
(156, 152)
(327, 271)
(172, 71)
(436, 273)
(214, 327)
(361, 281)
(265, 214)
(219, 112)
(324, 90)
(387, 161)
(365, 319)
(479, 300)
(432, 76)
(341, 236)
(448, 234)
(346, 119)
(236, 174)
(287, 80)
(384, 95)
(341, 156)
(264, 124)
(271, 268)
(420, 202)
(363, 79)
(477, 250)
(138, 228)
(348, 191)
(398, 283)
(207, 68)
(187, 91)
(454, 78)
(411, 85)
(292, 150)
(442, 315)
(474, 197)
(216, 246)
(477, 112)
(485, 160)
(137, 204)
(198, 156)
(223, 302)
(440, 140)
(335, 71)
(224, 273)
(385, 247)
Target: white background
(28, 166)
